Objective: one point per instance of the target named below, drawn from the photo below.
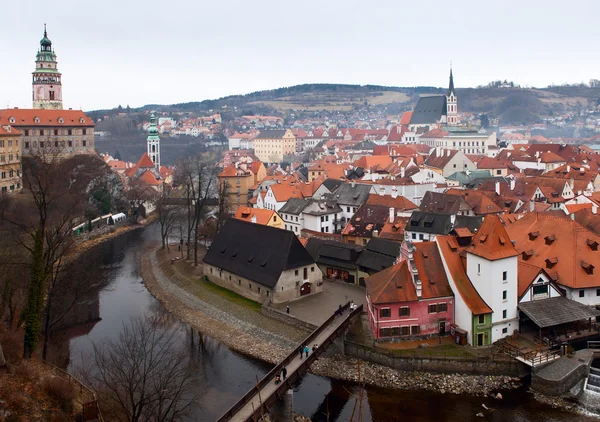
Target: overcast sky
(139, 52)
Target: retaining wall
(475, 366)
(287, 318)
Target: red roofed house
(412, 298)
(259, 216)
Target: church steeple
(451, 86)
(47, 85)
(451, 103)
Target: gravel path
(218, 313)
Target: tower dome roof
(45, 42)
(152, 129)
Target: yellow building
(259, 216)
(10, 159)
(270, 146)
(238, 179)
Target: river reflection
(225, 376)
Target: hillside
(510, 105)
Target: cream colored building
(69, 132)
(270, 146)
(10, 159)
(469, 142)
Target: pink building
(412, 298)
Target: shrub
(61, 391)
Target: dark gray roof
(321, 207)
(469, 177)
(332, 184)
(556, 311)
(271, 134)
(429, 110)
(443, 203)
(355, 195)
(257, 252)
(429, 222)
(293, 206)
(379, 254)
(329, 252)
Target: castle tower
(153, 142)
(451, 103)
(47, 86)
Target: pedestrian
(284, 372)
(340, 310)
(301, 349)
(287, 309)
(306, 350)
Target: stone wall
(563, 374)
(288, 319)
(474, 366)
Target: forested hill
(510, 105)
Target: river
(227, 375)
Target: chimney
(253, 218)
(394, 192)
(594, 209)
(448, 153)
(375, 233)
(498, 188)
(572, 216)
(512, 184)
(568, 168)
(572, 184)
(353, 184)
(392, 215)
(531, 206)
(402, 173)
(381, 191)
(537, 154)
(452, 220)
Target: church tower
(153, 142)
(451, 103)
(47, 87)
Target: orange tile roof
(26, 117)
(263, 216)
(145, 161)
(9, 131)
(285, 191)
(450, 250)
(406, 116)
(527, 273)
(117, 164)
(491, 241)
(488, 163)
(571, 208)
(561, 246)
(149, 178)
(369, 161)
(399, 202)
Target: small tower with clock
(47, 85)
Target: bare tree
(197, 178)
(145, 375)
(224, 205)
(42, 219)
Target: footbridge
(265, 393)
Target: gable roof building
(266, 258)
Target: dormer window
(482, 238)
(551, 262)
(82, 120)
(36, 119)
(60, 120)
(550, 239)
(11, 120)
(527, 254)
(592, 244)
(589, 268)
(533, 235)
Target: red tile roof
(450, 250)
(561, 246)
(149, 178)
(491, 241)
(45, 117)
(398, 203)
(145, 161)
(9, 131)
(263, 216)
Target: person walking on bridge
(306, 350)
(284, 372)
(301, 349)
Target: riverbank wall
(442, 365)
(238, 337)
